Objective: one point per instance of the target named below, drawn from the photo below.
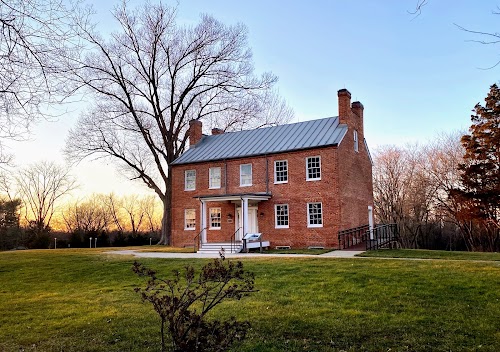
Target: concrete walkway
(333, 254)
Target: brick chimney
(216, 131)
(195, 132)
(357, 108)
(344, 105)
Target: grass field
(426, 254)
(83, 300)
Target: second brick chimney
(350, 114)
(217, 131)
(195, 132)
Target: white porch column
(370, 221)
(244, 211)
(203, 221)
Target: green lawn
(83, 300)
(427, 254)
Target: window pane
(189, 219)
(246, 175)
(190, 180)
(214, 181)
(356, 148)
(281, 215)
(215, 217)
(281, 171)
(313, 168)
(315, 214)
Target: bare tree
(34, 34)
(131, 204)
(403, 191)
(414, 185)
(41, 186)
(418, 8)
(113, 206)
(154, 76)
(150, 206)
(90, 215)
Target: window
(314, 215)
(356, 147)
(190, 180)
(215, 218)
(281, 171)
(281, 216)
(246, 175)
(189, 219)
(214, 180)
(313, 168)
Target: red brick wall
(296, 193)
(356, 188)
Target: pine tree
(480, 171)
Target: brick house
(297, 184)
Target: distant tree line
(34, 210)
(445, 194)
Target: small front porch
(238, 216)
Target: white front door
(253, 225)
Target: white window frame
(241, 175)
(219, 218)
(187, 181)
(307, 168)
(356, 142)
(276, 216)
(309, 215)
(276, 171)
(186, 227)
(213, 177)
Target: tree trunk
(166, 222)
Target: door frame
(239, 219)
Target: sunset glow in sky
(416, 76)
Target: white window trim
(356, 141)
(307, 170)
(210, 178)
(186, 183)
(185, 222)
(276, 226)
(210, 219)
(251, 175)
(309, 218)
(275, 175)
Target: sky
(417, 76)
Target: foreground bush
(183, 303)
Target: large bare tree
(33, 35)
(41, 186)
(151, 78)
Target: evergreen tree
(480, 171)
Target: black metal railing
(382, 236)
(197, 240)
(351, 237)
(233, 239)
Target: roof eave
(174, 163)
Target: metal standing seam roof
(268, 140)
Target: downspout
(225, 176)
(267, 175)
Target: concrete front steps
(211, 248)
